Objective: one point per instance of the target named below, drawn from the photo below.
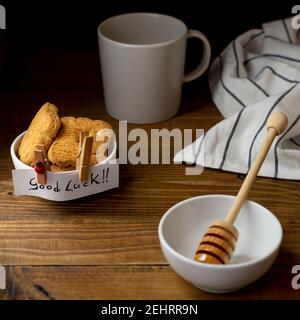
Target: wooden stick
(276, 125)
(42, 147)
(82, 135)
(85, 158)
(40, 165)
(218, 243)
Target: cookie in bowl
(42, 130)
(63, 152)
(60, 137)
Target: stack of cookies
(60, 137)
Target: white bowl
(183, 225)
(18, 164)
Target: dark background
(36, 28)
(71, 23)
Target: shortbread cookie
(64, 150)
(96, 126)
(42, 130)
(55, 168)
(105, 136)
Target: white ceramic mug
(142, 61)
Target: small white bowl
(183, 225)
(18, 164)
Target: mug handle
(201, 68)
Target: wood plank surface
(108, 243)
(120, 226)
(131, 282)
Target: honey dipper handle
(277, 123)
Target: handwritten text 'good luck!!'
(66, 186)
(70, 185)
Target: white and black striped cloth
(257, 74)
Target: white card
(66, 186)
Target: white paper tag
(66, 186)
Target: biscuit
(64, 150)
(42, 130)
(55, 168)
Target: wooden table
(106, 246)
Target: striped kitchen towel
(257, 74)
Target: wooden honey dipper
(218, 243)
